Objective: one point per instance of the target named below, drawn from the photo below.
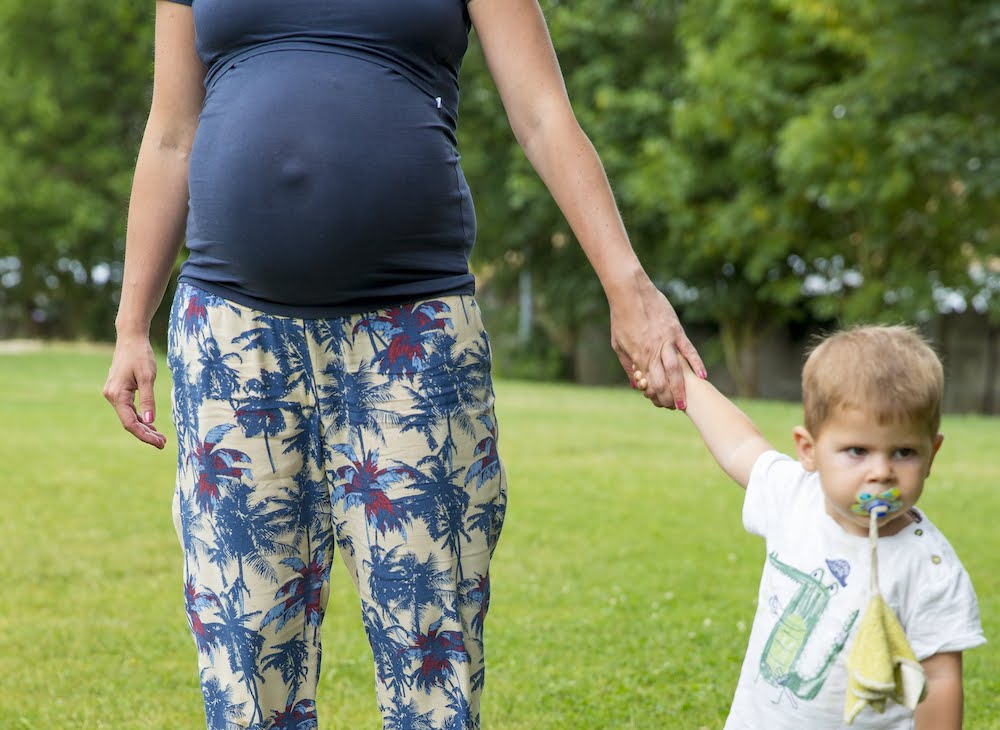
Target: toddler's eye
(855, 451)
(904, 453)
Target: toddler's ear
(935, 446)
(805, 447)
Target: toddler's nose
(880, 468)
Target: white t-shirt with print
(813, 591)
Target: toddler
(872, 401)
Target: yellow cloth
(881, 665)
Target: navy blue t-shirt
(325, 177)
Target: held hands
(648, 338)
(133, 369)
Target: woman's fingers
(134, 425)
(672, 367)
(127, 376)
(688, 352)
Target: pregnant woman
(331, 372)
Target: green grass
(624, 584)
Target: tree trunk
(525, 306)
(740, 338)
(989, 404)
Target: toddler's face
(862, 462)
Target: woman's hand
(647, 336)
(133, 369)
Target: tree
(74, 81)
(904, 156)
(775, 160)
(835, 160)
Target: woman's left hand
(647, 336)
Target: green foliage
(902, 156)
(836, 160)
(73, 98)
(623, 584)
(776, 161)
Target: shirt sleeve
(945, 615)
(774, 479)
(182, 2)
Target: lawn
(624, 584)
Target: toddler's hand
(640, 382)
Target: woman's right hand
(133, 370)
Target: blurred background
(783, 167)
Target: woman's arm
(645, 332)
(942, 709)
(156, 214)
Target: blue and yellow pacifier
(886, 502)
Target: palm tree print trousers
(373, 435)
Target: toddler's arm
(730, 435)
(942, 710)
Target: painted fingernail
(703, 374)
(147, 417)
(680, 405)
(632, 383)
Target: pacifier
(881, 504)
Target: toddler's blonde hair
(888, 371)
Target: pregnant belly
(314, 170)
